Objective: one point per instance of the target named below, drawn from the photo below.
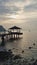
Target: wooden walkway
(11, 35)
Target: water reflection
(21, 46)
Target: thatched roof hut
(15, 27)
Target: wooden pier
(13, 33)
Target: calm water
(28, 39)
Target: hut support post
(14, 36)
(18, 35)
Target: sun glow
(12, 16)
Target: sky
(17, 11)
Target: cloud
(12, 0)
(8, 9)
(32, 6)
(16, 6)
(13, 6)
(21, 9)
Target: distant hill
(2, 29)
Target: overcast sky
(17, 11)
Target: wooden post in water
(14, 36)
(18, 35)
(3, 42)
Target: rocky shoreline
(18, 60)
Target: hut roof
(2, 29)
(15, 27)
